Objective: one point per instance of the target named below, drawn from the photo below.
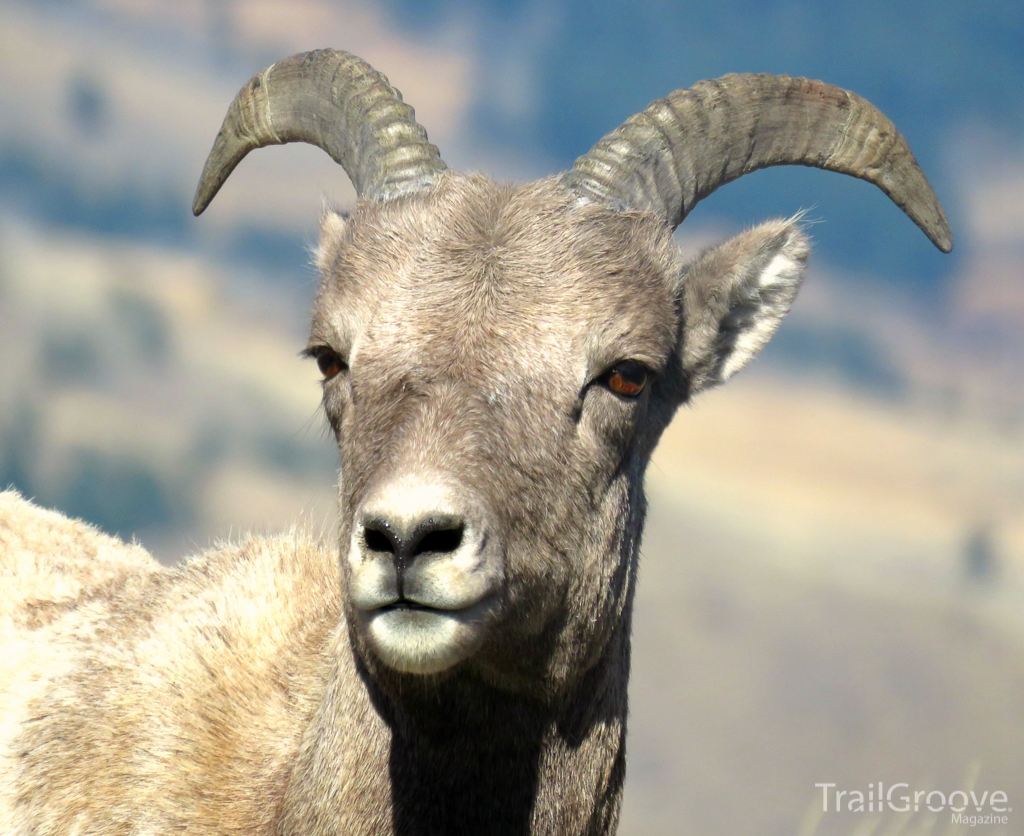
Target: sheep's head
(499, 361)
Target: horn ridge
(695, 140)
(337, 102)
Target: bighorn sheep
(499, 362)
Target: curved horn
(337, 102)
(681, 148)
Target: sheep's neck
(468, 761)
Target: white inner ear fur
(735, 295)
(776, 287)
(332, 227)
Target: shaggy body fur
(138, 696)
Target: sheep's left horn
(337, 102)
(680, 149)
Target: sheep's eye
(329, 362)
(627, 379)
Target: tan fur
(163, 697)
(238, 693)
(51, 563)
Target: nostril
(378, 541)
(439, 541)
(403, 542)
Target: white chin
(422, 641)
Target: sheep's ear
(734, 296)
(332, 232)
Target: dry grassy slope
(835, 480)
(752, 682)
(802, 615)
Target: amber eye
(627, 379)
(329, 362)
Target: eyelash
(328, 360)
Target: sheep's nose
(406, 539)
(422, 543)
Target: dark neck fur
(460, 757)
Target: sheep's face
(499, 364)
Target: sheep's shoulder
(50, 563)
(178, 697)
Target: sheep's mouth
(414, 638)
(409, 605)
(404, 604)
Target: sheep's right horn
(680, 149)
(337, 102)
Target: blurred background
(832, 587)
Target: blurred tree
(981, 558)
(88, 105)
